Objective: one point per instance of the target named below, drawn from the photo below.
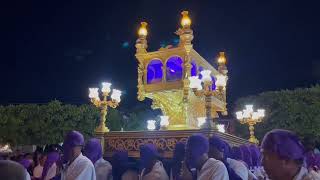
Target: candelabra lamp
(250, 117)
(104, 103)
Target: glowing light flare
(206, 75)
(261, 113)
(201, 121)
(143, 29)
(93, 93)
(239, 115)
(151, 124)
(222, 58)
(106, 87)
(246, 114)
(5, 148)
(195, 83)
(255, 116)
(249, 108)
(116, 94)
(221, 80)
(185, 21)
(164, 122)
(221, 128)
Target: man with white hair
(78, 166)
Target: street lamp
(185, 21)
(221, 128)
(151, 125)
(164, 122)
(250, 117)
(201, 121)
(203, 88)
(103, 103)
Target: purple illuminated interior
(213, 83)
(174, 68)
(193, 68)
(154, 71)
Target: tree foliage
(297, 110)
(45, 124)
(28, 124)
(133, 119)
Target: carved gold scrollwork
(132, 145)
(129, 144)
(171, 143)
(138, 143)
(119, 144)
(161, 143)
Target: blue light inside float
(154, 71)
(174, 68)
(213, 83)
(193, 68)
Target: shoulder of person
(85, 161)
(216, 162)
(103, 162)
(312, 175)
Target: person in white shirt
(283, 155)
(50, 166)
(78, 167)
(37, 171)
(197, 149)
(219, 150)
(152, 168)
(93, 151)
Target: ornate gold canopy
(163, 77)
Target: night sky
(64, 47)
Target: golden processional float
(188, 90)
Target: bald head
(12, 170)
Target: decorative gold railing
(164, 140)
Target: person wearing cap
(283, 155)
(121, 169)
(177, 160)
(197, 149)
(93, 151)
(78, 167)
(152, 168)
(50, 167)
(27, 164)
(219, 150)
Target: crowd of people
(281, 156)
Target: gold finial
(185, 21)
(222, 60)
(143, 29)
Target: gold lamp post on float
(104, 103)
(203, 88)
(250, 117)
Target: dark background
(63, 47)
